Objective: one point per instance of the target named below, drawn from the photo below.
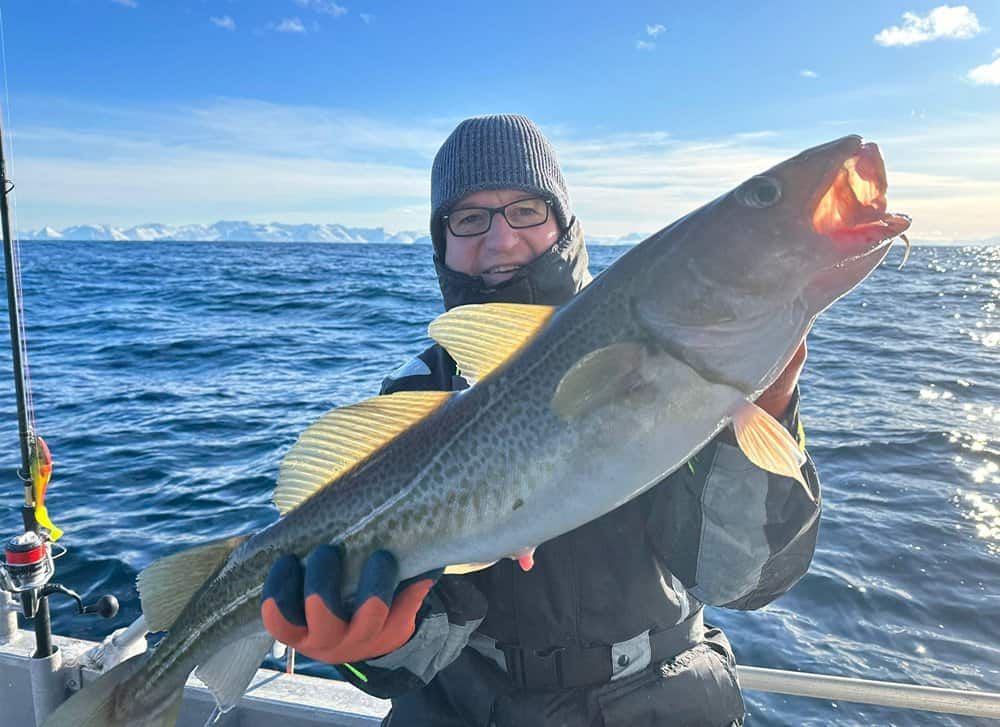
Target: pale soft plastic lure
(906, 254)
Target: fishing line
(15, 246)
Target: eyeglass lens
(519, 214)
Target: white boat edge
(297, 700)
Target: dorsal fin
(343, 437)
(481, 337)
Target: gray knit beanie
(495, 152)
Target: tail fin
(97, 704)
(165, 587)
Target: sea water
(170, 378)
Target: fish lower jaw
(870, 250)
(836, 280)
(866, 239)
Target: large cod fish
(574, 411)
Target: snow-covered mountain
(80, 232)
(227, 231)
(239, 231)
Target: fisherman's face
(497, 253)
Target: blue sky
(190, 111)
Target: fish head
(734, 286)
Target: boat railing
(866, 691)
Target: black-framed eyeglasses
(521, 213)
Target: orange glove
(303, 607)
(778, 395)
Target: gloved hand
(302, 607)
(777, 396)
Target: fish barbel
(573, 412)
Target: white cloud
(241, 159)
(652, 31)
(640, 182)
(368, 18)
(290, 25)
(986, 75)
(225, 22)
(806, 73)
(327, 7)
(946, 21)
(227, 186)
(663, 178)
(126, 3)
(244, 160)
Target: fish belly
(562, 475)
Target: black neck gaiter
(552, 278)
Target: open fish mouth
(852, 211)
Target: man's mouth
(501, 269)
(852, 212)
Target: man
(606, 628)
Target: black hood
(552, 278)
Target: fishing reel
(27, 569)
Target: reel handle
(105, 606)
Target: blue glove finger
(379, 578)
(282, 607)
(322, 578)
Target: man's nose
(501, 235)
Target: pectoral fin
(598, 378)
(768, 444)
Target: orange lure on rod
(41, 472)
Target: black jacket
(718, 531)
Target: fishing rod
(28, 564)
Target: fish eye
(760, 192)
